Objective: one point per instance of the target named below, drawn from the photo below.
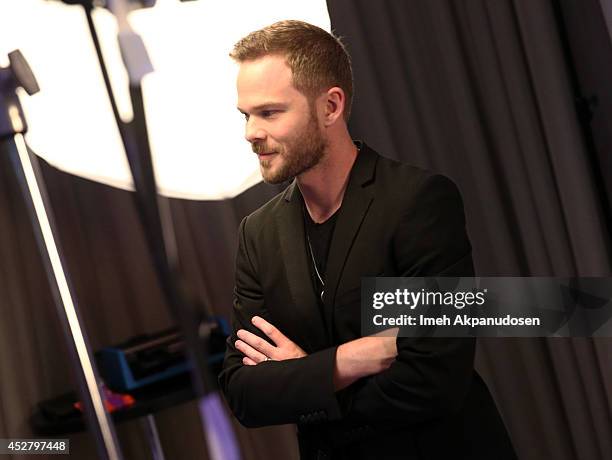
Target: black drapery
(479, 90)
(586, 32)
(484, 92)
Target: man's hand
(365, 356)
(257, 350)
(354, 360)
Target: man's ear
(334, 105)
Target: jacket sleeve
(273, 392)
(430, 376)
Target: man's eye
(268, 113)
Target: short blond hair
(318, 60)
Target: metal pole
(27, 170)
(193, 321)
(150, 428)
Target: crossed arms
(354, 360)
(367, 380)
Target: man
(296, 355)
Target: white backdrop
(196, 133)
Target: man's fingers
(250, 352)
(392, 332)
(261, 345)
(248, 361)
(271, 331)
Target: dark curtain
(483, 92)
(588, 47)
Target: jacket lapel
(355, 204)
(290, 223)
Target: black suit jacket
(395, 220)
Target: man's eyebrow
(265, 105)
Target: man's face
(281, 124)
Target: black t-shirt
(318, 241)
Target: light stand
(194, 319)
(13, 126)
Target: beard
(296, 156)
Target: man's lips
(265, 154)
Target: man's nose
(253, 132)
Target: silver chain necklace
(314, 264)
